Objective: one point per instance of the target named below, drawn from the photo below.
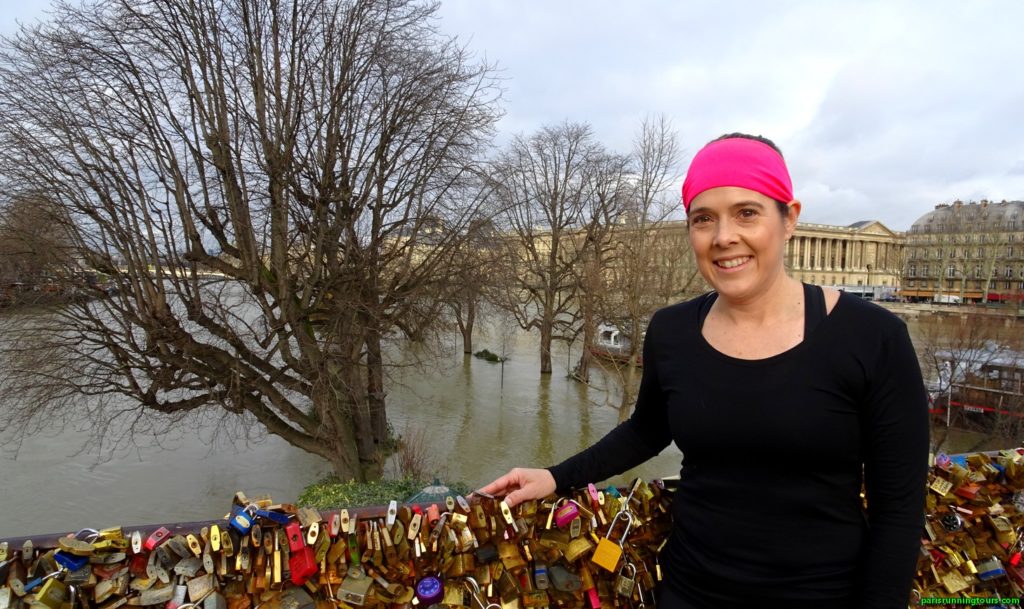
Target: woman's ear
(792, 215)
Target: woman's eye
(700, 219)
(748, 213)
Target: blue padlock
(990, 569)
(70, 561)
(241, 518)
(277, 517)
(35, 583)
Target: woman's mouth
(732, 263)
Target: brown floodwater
(476, 425)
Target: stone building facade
(967, 252)
(865, 257)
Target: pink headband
(738, 161)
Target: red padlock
(158, 537)
(433, 514)
(302, 561)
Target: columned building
(865, 257)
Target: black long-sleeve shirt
(768, 511)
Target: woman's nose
(725, 233)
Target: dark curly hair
(747, 136)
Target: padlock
(589, 587)
(429, 590)
(510, 556)
(576, 527)
(273, 516)
(180, 590)
(242, 518)
(52, 594)
(215, 600)
(200, 587)
(577, 548)
(624, 584)
(540, 576)
(989, 569)
(508, 587)
(534, 599)
(302, 565)
(564, 580)
(566, 513)
(477, 594)
(70, 561)
(951, 522)
(158, 537)
(608, 552)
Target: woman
(783, 398)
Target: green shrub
(332, 493)
(487, 355)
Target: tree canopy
(271, 187)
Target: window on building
(1009, 252)
(913, 270)
(910, 283)
(924, 270)
(951, 271)
(1008, 273)
(981, 252)
(977, 271)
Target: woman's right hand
(522, 484)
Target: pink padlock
(566, 514)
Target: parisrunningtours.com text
(1002, 602)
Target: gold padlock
(577, 548)
(608, 552)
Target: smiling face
(738, 238)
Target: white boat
(612, 343)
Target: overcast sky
(883, 109)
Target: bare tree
(476, 261)
(273, 187)
(593, 247)
(546, 185)
(34, 244)
(957, 355)
(654, 264)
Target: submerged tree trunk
(582, 371)
(545, 346)
(630, 382)
(467, 327)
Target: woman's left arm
(895, 437)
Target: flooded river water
(476, 426)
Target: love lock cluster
(974, 519)
(591, 549)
